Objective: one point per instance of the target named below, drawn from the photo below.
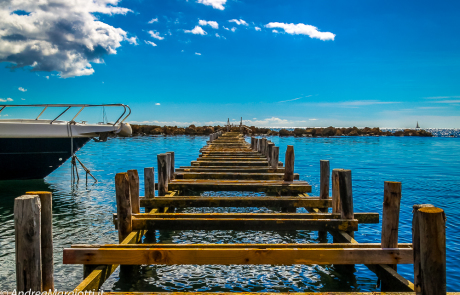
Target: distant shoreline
(144, 130)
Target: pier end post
(27, 227)
(325, 176)
(270, 152)
(432, 228)
(124, 211)
(163, 168)
(46, 216)
(171, 164)
(336, 207)
(346, 196)
(134, 190)
(274, 158)
(289, 164)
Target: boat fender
(124, 130)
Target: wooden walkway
(229, 163)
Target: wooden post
(325, 175)
(263, 149)
(390, 219)
(416, 246)
(27, 227)
(124, 211)
(259, 144)
(46, 204)
(275, 157)
(134, 190)
(163, 168)
(289, 164)
(171, 164)
(253, 140)
(336, 207)
(149, 182)
(270, 151)
(346, 196)
(432, 227)
(211, 137)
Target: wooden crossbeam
(360, 217)
(231, 159)
(230, 163)
(229, 256)
(243, 246)
(189, 201)
(244, 224)
(235, 169)
(268, 186)
(234, 175)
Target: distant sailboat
(418, 127)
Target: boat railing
(126, 109)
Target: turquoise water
(427, 167)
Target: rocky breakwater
(143, 130)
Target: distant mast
(418, 127)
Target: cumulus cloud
(156, 35)
(22, 89)
(197, 53)
(258, 29)
(6, 99)
(233, 29)
(150, 43)
(153, 20)
(302, 29)
(196, 31)
(217, 4)
(157, 104)
(210, 23)
(59, 35)
(238, 22)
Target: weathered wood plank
(235, 169)
(185, 201)
(244, 224)
(233, 175)
(230, 163)
(203, 256)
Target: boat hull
(35, 158)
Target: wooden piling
(259, 144)
(289, 163)
(390, 220)
(27, 226)
(211, 137)
(416, 246)
(149, 182)
(46, 204)
(336, 207)
(163, 169)
(171, 164)
(253, 141)
(346, 195)
(134, 190)
(325, 175)
(274, 159)
(432, 227)
(124, 211)
(270, 151)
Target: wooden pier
(229, 163)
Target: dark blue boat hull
(35, 158)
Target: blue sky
(274, 63)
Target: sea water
(82, 213)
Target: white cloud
(22, 89)
(233, 29)
(447, 101)
(355, 103)
(290, 99)
(157, 104)
(156, 35)
(275, 31)
(312, 119)
(196, 31)
(23, 99)
(5, 99)
(210, 23)
(153, 20)
(150, 43)
(442, 97)
(258, 29)
(47, 77)
(197, 53)
(217, 4)
(238, 22)
(226, 28)
(302, 29)
(59, 35)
